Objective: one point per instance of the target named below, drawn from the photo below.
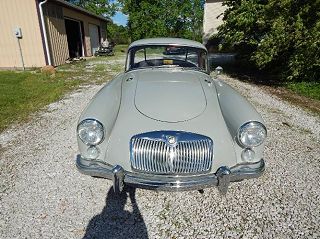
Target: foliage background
(278, 36)
(118, 34)
(106, 8)
(150, 18)
(166, 18)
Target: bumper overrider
(120, 177)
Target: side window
(192, 57)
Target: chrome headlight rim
(98, 123)
(252, 124)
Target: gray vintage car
(165, 124)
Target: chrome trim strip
(173, 182)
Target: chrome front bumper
(221, 178)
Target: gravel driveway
(44, 196)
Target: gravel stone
(44, 196)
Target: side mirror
(218, 70)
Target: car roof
(167, 41)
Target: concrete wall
(23, 14)
(213, 15)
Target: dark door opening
(74, 38)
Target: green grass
(121, 48)
(22, 93)
(308, 89)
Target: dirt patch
(301, 101)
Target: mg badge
(172, 141)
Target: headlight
(91, 132)
(252, 134)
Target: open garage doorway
(74, 37)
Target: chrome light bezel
(251, 124)
(99, 124)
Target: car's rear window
(167, 56)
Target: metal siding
(56, 33)
(94, 35)
(23, 14)
(86, 21)
(58, 40)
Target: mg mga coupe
(165, 124)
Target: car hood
(170, 96)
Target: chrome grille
(153, 153)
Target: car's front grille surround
(151, 153)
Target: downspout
(43, 26)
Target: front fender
(236, 111)
(104, 107)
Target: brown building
(35, 33)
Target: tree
(105, 8)
(166, 18)
(292, 40)
(118, 34)
(282, 35)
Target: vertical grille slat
(189, 157)
(143, 151)
(203, 155)
(184, 157)
(162, 162)
(138, 160)
(167, 159)
(198, 156)
(208, 155)
(193, 158)
(192, 153)
(153, 149)
(157, 148)
(149, 159)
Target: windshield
(167, 56)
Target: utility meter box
(17, 32)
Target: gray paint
(237, 111)
(149, 100)
(178, 98)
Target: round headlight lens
(90, 132)
(252, 134)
